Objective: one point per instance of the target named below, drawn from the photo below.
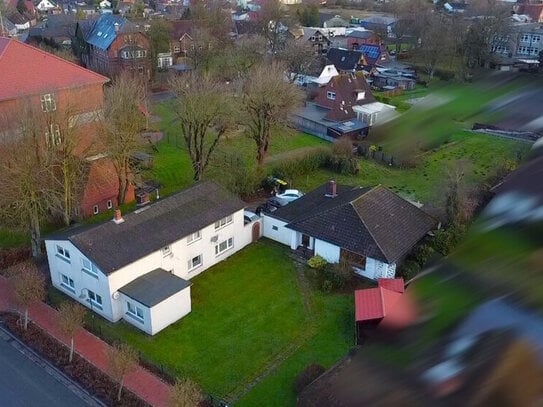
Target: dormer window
(360, 95)
(331, 95)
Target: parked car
(249, 217)
(290, 195)
(277, 202)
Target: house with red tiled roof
(534, 11)
(343, 106)
(58, 87)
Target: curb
(53, 371)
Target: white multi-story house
(138, 268)
(372, 228)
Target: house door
(305, 240)
(256, 231)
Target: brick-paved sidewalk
(141, 382)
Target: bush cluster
(446, 239)
(317, 262)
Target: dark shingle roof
(374, 222)
(154, 287)
(345, 60)
(360, 34)
(112, 246)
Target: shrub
(306, 376)
(327, 286)
(343, 146)
(343, 165)
(317, 262)
(422, 254)
(344, 271)
(408, 270)
(446, 239)
(298, 166)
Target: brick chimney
(331, 189)
(117, 216)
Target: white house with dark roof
(138, 267)
(373, 228)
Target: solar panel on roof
(370, 51)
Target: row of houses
(138, 267)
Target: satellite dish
(115, 295)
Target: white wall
(327, 250)
(146, 325)
(177, 261)
(376, 269)
(281, 235)
(82, 280)
(170, 310)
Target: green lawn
(248, 312)
(484, 154)
(447, 111)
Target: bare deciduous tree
(123, 121)
(298, 58)
(28, 286)
(185, 393)
(70, 318)
(29, 193)
(202, 110)
(268, 100)
(122, 359)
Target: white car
(290, 195)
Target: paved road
(24, 384)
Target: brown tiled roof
(376, 223)
(180, 28)
(534, 11)
(346, 88)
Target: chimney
(118, 217)
(331, 189)
(116, 27)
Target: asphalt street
(25, 384)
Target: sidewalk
(141, 382)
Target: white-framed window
(195, 262)
(223, 222)
(312, 38)
(52, 135)
(88, 267)
(67, 283)
(331, 95)
(360, 95)
(166, 251)
(134, 311)
(95, 299)
(224, 246)
(194, 237)
(177, 49)
(63, 253)
(95, 209)
(48, 103)
(536, 38)
(109, 204)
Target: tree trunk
(67, 191)
(71, 350)
(122, 189)
(120, 390)
(26, 318)
(35, 236)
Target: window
(195, 262)
(67, 283)
(177, 49)
(109, 204)
(536, 38)
(95, 209)
(134, 311)
(63, 253)
(95, 299)
(275, 227)
(166, 251)
(52, 135)
(331, 95)
(89, 268)
(312, 38)
(194, 237)
(224, 246)
(360, 95)
(223, 222)
(48, 103)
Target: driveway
(23, 383)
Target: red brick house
(357, 38)
(56, 86)
(112, 44)
(181, 40)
